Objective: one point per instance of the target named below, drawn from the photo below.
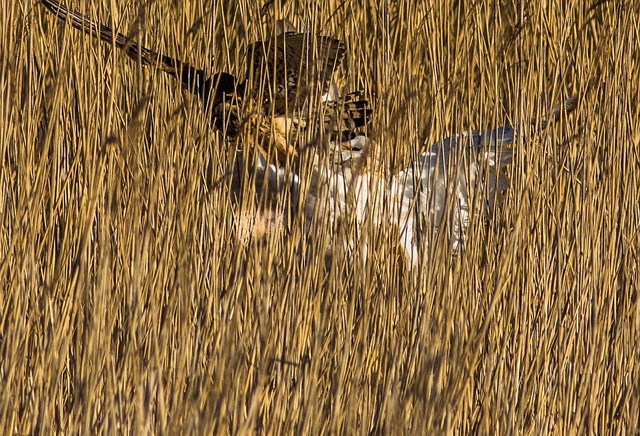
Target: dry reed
(130, 304)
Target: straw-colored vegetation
(131, 304)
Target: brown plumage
(282, 137)
(288, 72)
(193, 79)
(290, 69)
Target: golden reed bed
(131, 303)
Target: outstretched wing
(441, 182)
(193, 79)
(289, 68)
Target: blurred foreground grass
(129, 305)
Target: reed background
(130, 304)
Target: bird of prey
(289, 78)
(443, 186)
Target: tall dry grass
(130, 304)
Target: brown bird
(278, 100)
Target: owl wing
(441, 182)
(437, 184)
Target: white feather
(439, 184)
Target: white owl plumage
(415, 198)
(437, 188)
(446, 182)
